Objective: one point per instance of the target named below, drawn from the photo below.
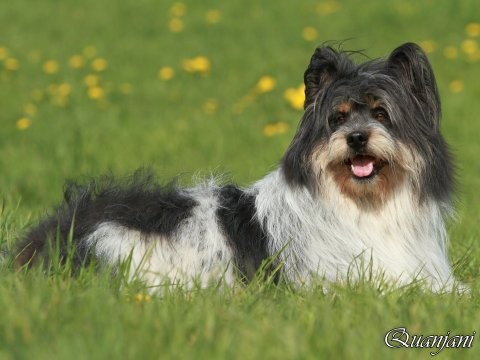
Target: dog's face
(370, 128)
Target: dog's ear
(320, 73)
(411, 68)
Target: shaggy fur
(365, 186)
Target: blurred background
(203, 87)
(206, 87)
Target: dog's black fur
(408, 89)
(138, 203)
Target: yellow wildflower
(213, 16)
(99, 64)
(210, 106)
(166, 73)
(309, 33)
(126, 88)
(244, 102)
(295, 97)
(76, 61)
(429, 46)
(30, 109)
(141, 298)
(50, 67)
(23, 123)
(199, 64)
(265, 84)
(11, 64)
(96, 93)
(455, 86)
(175, 25)
(474, 57)
(64, 89)
(89, 51)
(273, 129)
(469, 46)
(178, 9)
(91, 80)
(450, 52)
(3, 53)
(59, 100)
(328, 7)
(473, 29)
(34, 56)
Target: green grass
(163, 125)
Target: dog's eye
(337, 119)
(380, 114)
(341, 117)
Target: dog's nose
(357, 140)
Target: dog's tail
(54, 229)
(34, 242)
(137, 202)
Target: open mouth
(364, 167)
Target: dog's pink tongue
(362, 166)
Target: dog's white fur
(314, 237)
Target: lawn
(191, 89)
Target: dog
(365, 187)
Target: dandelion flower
(175, 25)
(99, 64)
(11, 64)
(76, 61)
(295, 97)
(328, 7)
(141, 298)
(166, 73)
(309, 33)
(30, 109)
(265, 84)
(474, 57)
(178, 9)
(89, 51)
(60, 101)
(244, 102)
(210, 106)
(473, 29)
(3, 53)
(64, 89)
(273, 129)
(50, 67)
(126, 88)
(429, 46)
(450, 52)
(213, 16)
(469, 46)
(455, 86)
(96, 93)
(23, 123)
(34, 56)
(91, 80)
(199, 64)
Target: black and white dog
(365, 185)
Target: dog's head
(371, 127)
